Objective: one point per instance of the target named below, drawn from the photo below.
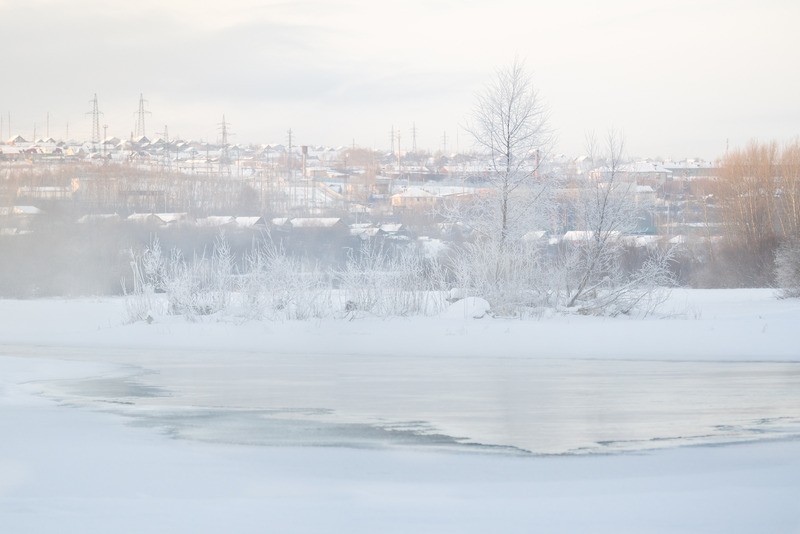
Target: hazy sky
(678, 77)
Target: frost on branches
(787, 268)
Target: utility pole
(165, 136)
(444, 143)
(414, 138)
(289, 155)
(224, 157)
(392, 138)
(399, 160)
(312, 184)
(105, 137)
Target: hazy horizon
(680, 80)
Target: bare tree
(787, 268)
(789, 193)
(759, 192)
(606, 210)
(510, 125)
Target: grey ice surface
(492, 404)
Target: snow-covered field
(686, 422)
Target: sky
(679, 79)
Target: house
(8, 152)
(17, 140)
(414, 198)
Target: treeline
(758, 200)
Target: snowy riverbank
(745, 324)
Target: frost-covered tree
(787, 268)
(606, 211)
(509, 124)
(510, 127)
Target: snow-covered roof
(639, 241)
(414, 192)
(392, 228)
(99, 217)
(21, 210)
(645, 167)
(249, 222)
(534, 235)
(170, 218)
(678, 240)
(371, 231)
(689, 164)
(216, 220)
(143, 217)
(315, 222)
(586, 235)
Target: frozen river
(542, 406)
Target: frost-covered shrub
(201, 287)
(787, 268)
(593, 283)
(149, 275)
(280, 287)
(513, 277)
(385, 282)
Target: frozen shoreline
(71, 469)
(77, 471)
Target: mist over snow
(431, 266)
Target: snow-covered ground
(686, 422)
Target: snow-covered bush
(280, 287)
(148, 271)
(386, 283)
(787, 268)
(512, 277)
(201, 287)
